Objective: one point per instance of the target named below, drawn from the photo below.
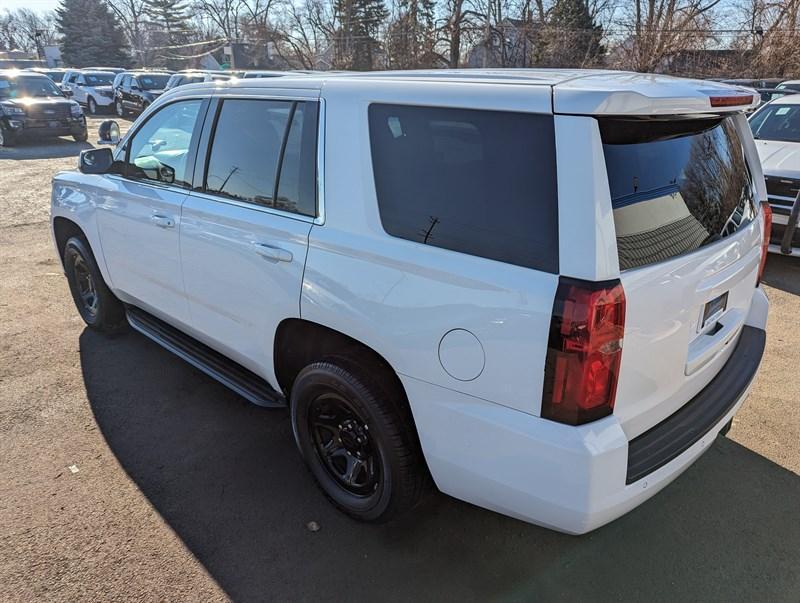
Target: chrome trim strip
(253, 206)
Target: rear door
(688, 239)
(245, 228)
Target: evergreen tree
(573, 38)
(356, 40)
(90, 34)
(169, 21)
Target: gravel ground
(128, 475)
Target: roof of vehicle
(20, 73)
(789, 82)
(789, 99)
(96, 72)
(578, 91)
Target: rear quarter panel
(401, 297)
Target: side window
(477, 182)
(134, 83)
(251, 142)
(159, 150)
(297, 185)
(81, 80)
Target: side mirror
(96, 161)
(68, 93)
(108, 132)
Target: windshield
(99, 79)
(777, 122)
(152, 82)
(25, 86)
(676, 185)
(788, 86)
(56, 76)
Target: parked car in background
(770, 94)
(541, 294)
(55, 74)
(789, 85)
(31, 105)
(181, 78)
(137, 90)
(92, 89)
(111, 69)
(262, 73)
(776, 129)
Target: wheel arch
(63, 230)
(299, 342)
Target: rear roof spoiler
(642, 95)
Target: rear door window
(264, 152)
(477, 182)
(676, 185)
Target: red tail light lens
(584, 351)
(766, 210)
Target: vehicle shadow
(783, 272)
(224, 474)
(51, 148)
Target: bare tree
(661, 28)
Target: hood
(779, 158)
(39, 102)
(155, 92)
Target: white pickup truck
(538, 289)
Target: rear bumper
(572, 479)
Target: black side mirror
(108, 132)
(96, 161)
(68, 93)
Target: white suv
(539, 288)
(92, 89)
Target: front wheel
(92, 105)
(119, 108)
(97, 305)
(356, 439)
(7, 139)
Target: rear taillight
(766, 218)
(584, 351)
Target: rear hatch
(688, 239)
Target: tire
(82, 137)
(144, 106)
(119, 108)
(7, 139)
(91, 104)
(338, 407)
(99, 308)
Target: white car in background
(92, 89)
(776, 129)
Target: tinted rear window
(676, 185)
(477, 182)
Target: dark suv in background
(32, 105)
(135, 91)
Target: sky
(37, 5)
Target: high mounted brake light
(584, 351)
(731, 101)
(766, 210)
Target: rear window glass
(676, 185)
(477, 182)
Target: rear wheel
(82, 137)
(357, 441)
(99, 308)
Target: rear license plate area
(714, 310)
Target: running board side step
(241, 380)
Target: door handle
(271, 252)
(163, 221)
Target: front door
(141, 214)
(244, 234)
